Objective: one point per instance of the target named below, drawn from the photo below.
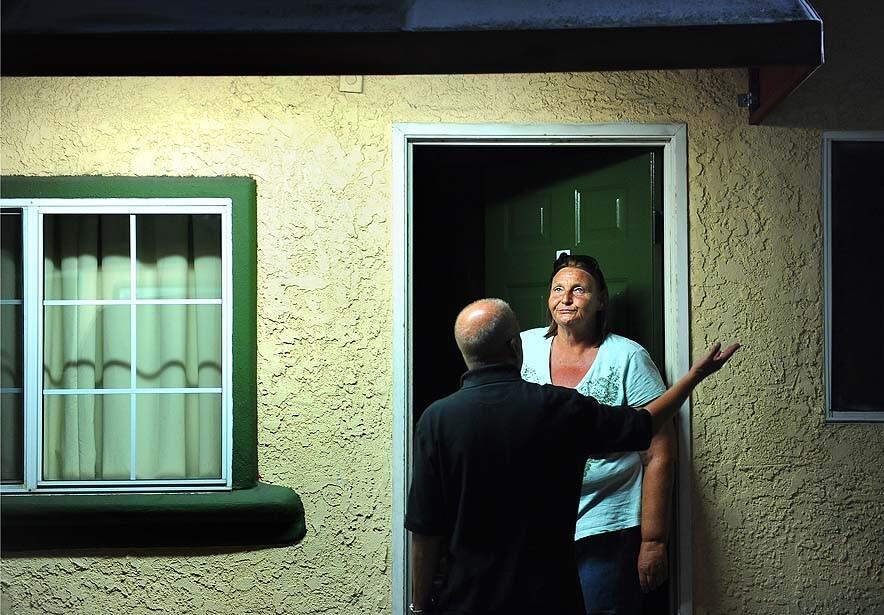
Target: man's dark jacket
(497, 470)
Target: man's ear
(515, 345)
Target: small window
(127, 381)
(854, 272)
(129, 365)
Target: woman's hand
(653, 566)
(712, 361)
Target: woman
(623, 518)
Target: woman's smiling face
(574, 298)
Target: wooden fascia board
(770, 85)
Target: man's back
(497, 469)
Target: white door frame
(673, 139)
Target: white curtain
(176, 435)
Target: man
(497, 472)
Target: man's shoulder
(444, 402)
(454, 401)
(517, 391)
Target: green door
(604, 202)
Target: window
(128, 383)
(854, 220)
(128, 311)
(11, 349)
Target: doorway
(485, 215)
(489, 222)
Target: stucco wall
(786, 509)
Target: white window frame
(833, 415)
(32, 211)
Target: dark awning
(359, 37)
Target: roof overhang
(362, 37)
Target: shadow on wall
(846, 92)
(709, 585)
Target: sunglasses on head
(585, 261)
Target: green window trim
(261, 515)
(249, 503)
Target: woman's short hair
(590, 266)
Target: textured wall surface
(787, 509)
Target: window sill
(262, 515)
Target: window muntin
(123, 283)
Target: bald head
(486, 332)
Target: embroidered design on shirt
(606, 388)
(529, 374)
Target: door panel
(523, 218)
(599, 214)
(525, 221)
(528, 301)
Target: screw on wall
(748, 100)
(351, 83)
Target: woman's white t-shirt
(622, 374)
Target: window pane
(857, 330)
(178, 436)
(86, 347)
(178, 346)
(86, 437)
(12, 428)
(11, 325)
(11, 331)
(86, 256)
(11, 356)
(179, 256)
(10, 255)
